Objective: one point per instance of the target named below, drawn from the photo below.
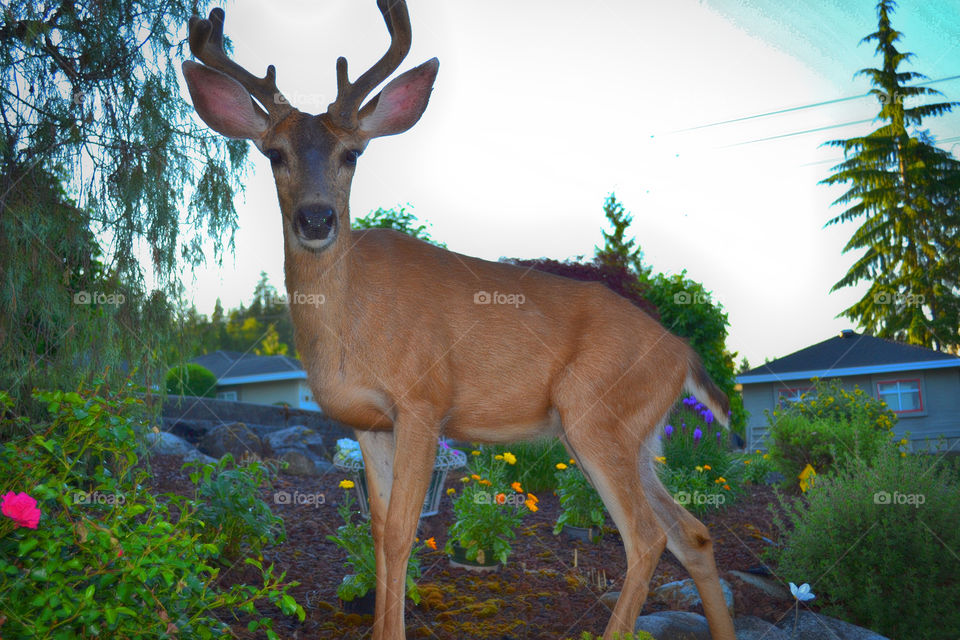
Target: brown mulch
(550, 588)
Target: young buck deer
(409, 345)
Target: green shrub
(230, 509)
(191, 380)
(105, 558)
(879, 545)
(535, 470)
(757, 466)
(826, 428)
(580, 504)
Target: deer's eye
(275, 157)
(349, 157)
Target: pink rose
(22, 509)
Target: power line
(800, 108)
(798, 133)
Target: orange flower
(475, 476)
(500, 498)
(708, 467)
(431, 542)
(727, 487)
(516, 487)
(485, 482)
(532, 498)
(531, 505)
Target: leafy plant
(489, 507)
(866, 531)
(535, 470)
(86, 555)
(757, 466)
(638, 635)
(191, 380)
(826, 428)
(580, 504)
(229, 508)
(357, 540)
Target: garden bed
(539, 594)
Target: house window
(903, 396)
(789, 396)
(227, 395)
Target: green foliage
(697, 467)
(617, 248)
(230, 509)
(191, 380)
(880, 542)
(398, 219)
(580, 504)
(905, 190)
(105, 550)
(827, 428)
(535, 466)
(490, 507)
(99, 152)
(639, 635)
(357, 540)
(757, 466)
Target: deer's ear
(401, 103)
(223, 103)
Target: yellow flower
(485, 482)
(661, 459)
(346, 484)
(431, 542)
(720, 480)
(758, 450)
(572, 461)
(516, 487)
(766, 455)
(707, 467)
(498, 457)
(531, 505)
(451, 491)
(532, 498)
(903, 454)
(509, 457)
(699, 468)
(903, 441)
(465, 479)
(561, 466)
(474, 476)
(746, 462)
(474, 453)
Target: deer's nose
(316, 221)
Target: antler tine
(350, 95)
(206, 43)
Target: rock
(235, 439)
(674, 625)
(768, 585)
(610, 599)
(683, 594)
(167, 444)
(196, 455)
(190, 430)
(297, 437)
(813, 626)
(298, 463)
(752, 628)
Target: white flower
(349, 449)
(801, 593)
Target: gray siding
(939, 389)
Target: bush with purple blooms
(696, 464)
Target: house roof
(233, 367)
(849, 353)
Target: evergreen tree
(905, 190)
(617, 248)
(397, 219)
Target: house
(921, 385)
(243, 377)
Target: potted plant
(349, 458)
(582, 510)
(357, 590)
(488, 510)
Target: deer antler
(345, 110)
(206, 43)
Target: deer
(410, 345)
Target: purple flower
(707, 415)
(718, 437)
(668, 430)
(697, 434)
(683, 424)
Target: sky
(543, 107)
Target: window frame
(781, 392)
(907, 412)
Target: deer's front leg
(416, 449)
(378, 451)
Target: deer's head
(313, 156)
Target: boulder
(192, 431)
(193, 455)
(235, 439)
(674, 625)
(814, 626)
(167, 444)
(752, 628)
(765, 584)
(683, 594)
(299, 463)
(297, 437)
